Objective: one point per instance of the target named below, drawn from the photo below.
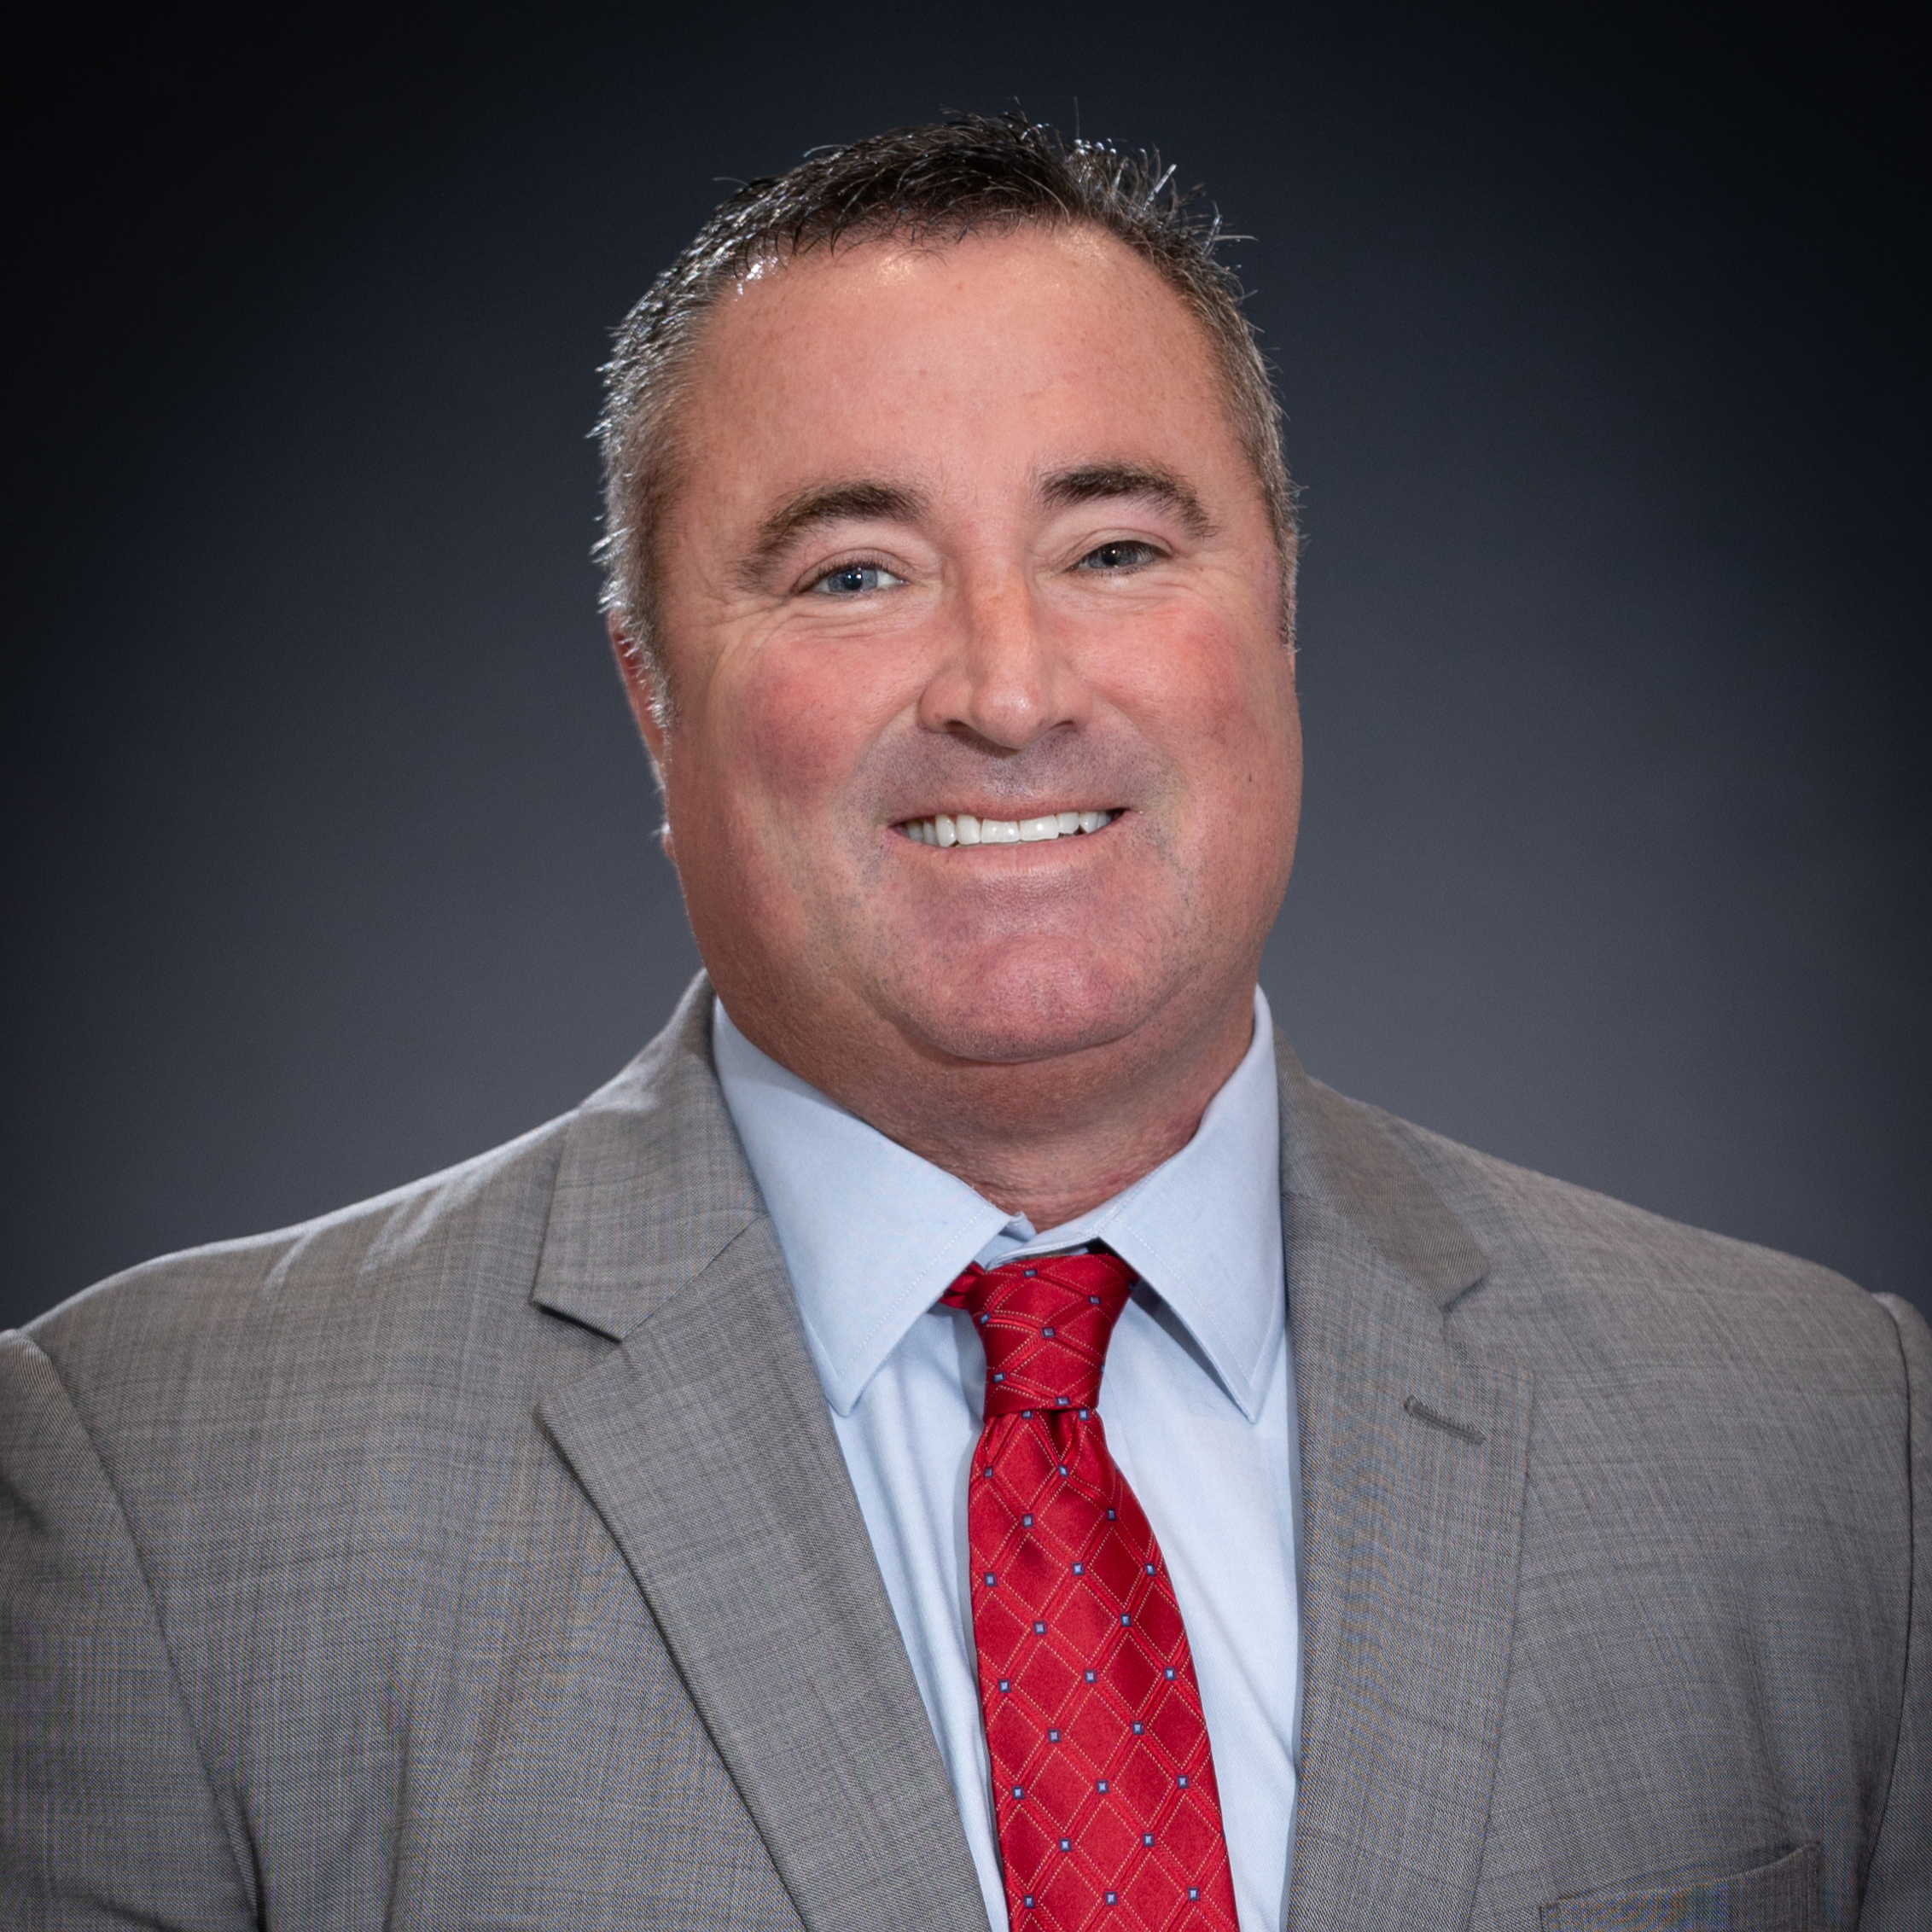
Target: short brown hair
(938, 183)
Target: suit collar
(1340, 1155)
(652, 1186)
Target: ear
(643, 686)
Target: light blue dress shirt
(1198, 1397)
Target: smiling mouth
(963, 829)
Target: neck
(1050, 1139)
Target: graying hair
(932, 184)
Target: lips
(948, 828)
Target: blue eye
(855, 580)
(1128, 555)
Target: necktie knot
(1045, 1323)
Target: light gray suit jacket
(482, 1556)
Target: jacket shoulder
(433, 1251)
(1566, 1261)
(439, 1266)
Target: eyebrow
(1097, 482)
(829, 503)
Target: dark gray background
(1601, 337)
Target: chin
(1007, 1019)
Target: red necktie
(1102, 1783)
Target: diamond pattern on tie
(1103, 1783)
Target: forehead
(1035, 349)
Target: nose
(1005, 677)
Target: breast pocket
(1781, 1896)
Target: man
(962, 1430)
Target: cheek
(788, 729)
(784, 729)
(1220, 696)
(790, 740)
(1230, 734)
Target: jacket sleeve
(1898, 1896)
(107, 1814)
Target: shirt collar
(873, 1235)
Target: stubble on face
(971, 422)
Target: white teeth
(961, 828)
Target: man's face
(959, 533)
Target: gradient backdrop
(1601, 337)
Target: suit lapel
(1414, 1450)
(704, 1443)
